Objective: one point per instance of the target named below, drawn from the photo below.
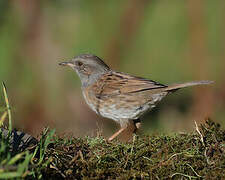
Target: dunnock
(119, 96)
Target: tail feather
(182, 85)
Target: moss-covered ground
(197, 155)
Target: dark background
(167, 41)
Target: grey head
(88, 67)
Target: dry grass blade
(2, 119)
(7, 106)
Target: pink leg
(126, 132)
(116, 134)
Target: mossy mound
(198, 155)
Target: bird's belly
(119, 108)
(117, 114)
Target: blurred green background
(167, 41)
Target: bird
(119, 96)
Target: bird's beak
(66, 64)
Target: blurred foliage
(161, 40)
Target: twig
(193, 170)
(185, 175)
(175, 155)
(147, 158)
(201, 136)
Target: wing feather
(116, 83)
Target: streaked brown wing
(115, 83)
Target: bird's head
(89, 67)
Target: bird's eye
(79, 63)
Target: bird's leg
(132, 128)
(116, 134)
(137, 124)
(127, 130)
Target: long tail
(174, 87)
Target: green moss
(154, 157)
(197, 155)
